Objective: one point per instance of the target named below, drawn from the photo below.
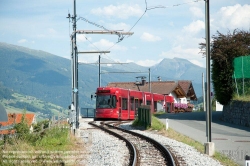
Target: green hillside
(17, 103)
(36, 73)
(47, 77)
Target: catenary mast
(74, 107)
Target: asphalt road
(230, 139)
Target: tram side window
(114, 101)
(137, 103)
(168, 107)
(132, 105)
(124, 104)
(140, 102)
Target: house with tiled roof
(15, 118)
(182, 91)
(177, 89)
(188, 89)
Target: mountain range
(48, 77)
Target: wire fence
(241, 75)
(87, 112)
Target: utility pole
(99, 61)
(209, 146)
(203, 93)
(74, 107)
(208, 80)
(99, 71)
(74, 67)
(149, 79)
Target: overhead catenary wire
(121, 37)
(146, 9)
(92, 43)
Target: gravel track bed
(104, 149)
(189, 155)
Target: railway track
(143, 150)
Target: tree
(22, 128)
(224, 48)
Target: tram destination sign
(103, 91)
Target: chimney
(159, 78)
(143, 81)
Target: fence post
(167, 124)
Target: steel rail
(133, 154)
(162, 148)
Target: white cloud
(186, 43)
(197, 12)
(82, 38)
(128, 61)
(121, 11)
(119, 26)
(48, 33)
(106, 45)
(194, 27)
(196, 62)
(147, 62)
(40, 36)
(22, 41)
(52, 31)
(232, 17)
(191, 54)
(149, 37)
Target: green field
(43, 110)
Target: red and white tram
(122, 104)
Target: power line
(160, 6)
(90, 22)
(91, 43)
(120, 36)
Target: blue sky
(174, 30)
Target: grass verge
(53, 146)
(241, 98)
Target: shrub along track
(143, 150)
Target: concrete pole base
(77, 133)
(209, 148)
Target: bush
(54, 137)
(224, 49)
(22, 129)
(40, 126)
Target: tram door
(120, 107)
(137, 104)
(132, 108)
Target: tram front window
(105, 101)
